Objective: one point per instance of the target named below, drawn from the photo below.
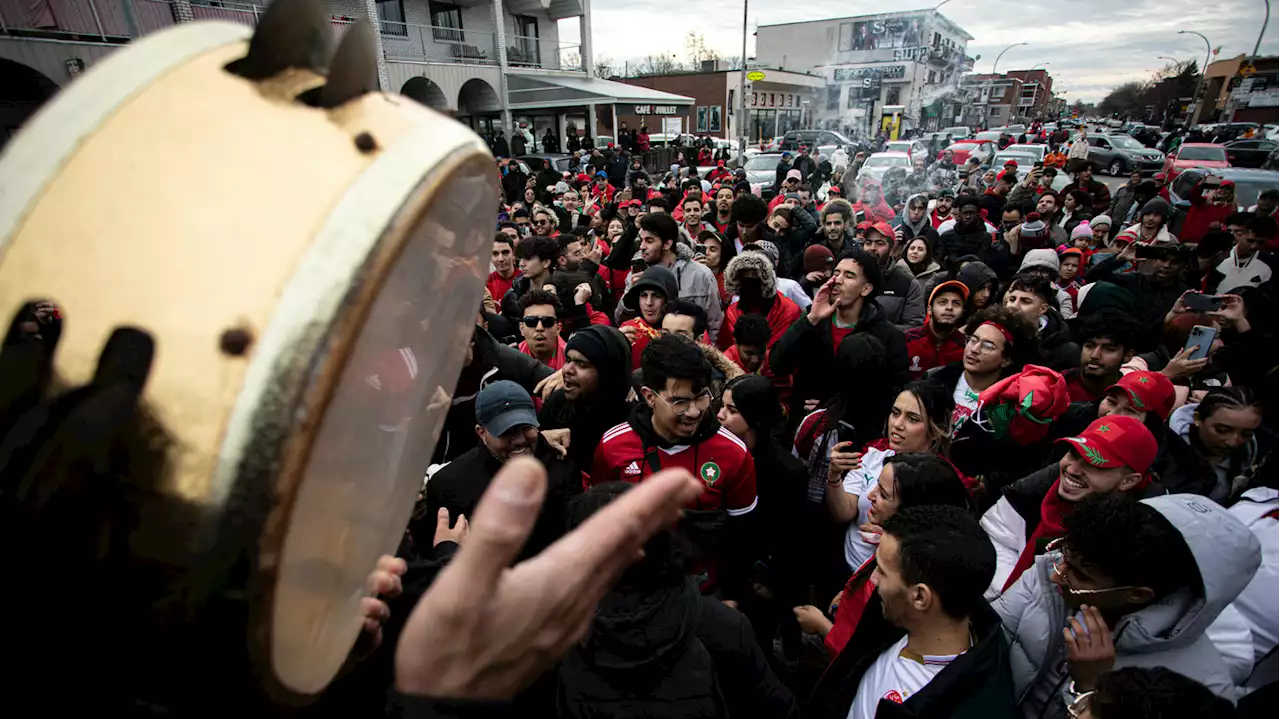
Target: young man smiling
(673, 426)
(1112, 455)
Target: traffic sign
(755, 76)
(1247, 70)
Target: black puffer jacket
(588, 420)
(673, 653)
(1058, 350)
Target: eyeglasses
(532, 321)
(542, 222)
(683, 405)
(1057, 556)
(985, 347)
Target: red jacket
(1202, 215)
(781, 314)
(935, 220)
(925, 352)
(498, 285)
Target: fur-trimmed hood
(750, 260)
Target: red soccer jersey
(498, 285)
(721, 462)
(924, 352)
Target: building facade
(1035, 95)
(1240, 89)
(488, 63)
(884, 72)
(776, 101)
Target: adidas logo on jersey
(632, 470)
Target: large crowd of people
(980, 449)
(983, 448)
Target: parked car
(1120, 154)
(827, 141)
(731, 145)
(880, 162)
(915, 148)
(982, 149)
(990, 135)
(1038, 150)
(1249, 153)
(1025, 160)
(1249, 184)
(959, 132)
(1194, 154)
(559, 161)
(762, 170)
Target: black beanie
(607, 349)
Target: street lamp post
(996, 64)
(1208, 49)
(1262, 33)
(742, 94)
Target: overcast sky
(1090, 45)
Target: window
(446, 22)
(846, 36)
(855, 98)
(528, 49)
(391, 17)
(995, 111)
(893, 95)
(730, 104)
(833, 97)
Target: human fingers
(1069, 640)
(382, 583)
(610, 540)
(375, 612)
(395, 565)
(496, 534)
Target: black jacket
(588, 419)
(976, 685)
(459, 485)
(1154, 300)
(669, 652)
(956, 243)
(806, 352)
(491, 361)
(1057, 349)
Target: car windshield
(1247, 191)
(1203, 153)
(887, 161)
(762, 162)
(1036, 150)
(1125, 143)
(1023, 160)
(900, 146)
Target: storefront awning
(529, 92)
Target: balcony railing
(118, 21)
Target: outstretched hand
(485, 629)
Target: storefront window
(763, 123)
(788, 120)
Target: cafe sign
(656, 110)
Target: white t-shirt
(860, 546)
(966, 403)
(895, 676)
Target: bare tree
(657, 65)
(604, 68)
(696, 45)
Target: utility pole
(742, 93)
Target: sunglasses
(542, 222)
(532, 322)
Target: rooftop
(882, 15)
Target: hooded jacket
(957, 242)
(588, 420)
(1185, 469)
(782, 311)
(975, 276)
(1059, 350)
(806, 352)
(697, 284)
(1168, 633)
(901, 298)
(670, 652)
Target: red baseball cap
(1147, 392)
(1115, 441)
(865, 224)
(1014, 163)
(950, 286)
(884, 229)
(1227, 183)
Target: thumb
(442, 520)
(497, 531)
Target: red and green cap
(1147, 392)
(1115, 441)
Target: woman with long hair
(716, 254)
(1219, 445)
(918, 254)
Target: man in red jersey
(939, 342)
(504, 266)
(674, 427)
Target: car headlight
(308, 256)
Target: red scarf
(1053, 510)
(853, 602)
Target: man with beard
(939, 342)
(844, 305)
(1098, 192)
(942, 209)
(597, 378)
(927, 643)
(900, 296)
(692, 224)
(659, 235)
(673, 427)
(1106, 343)
(724, 209)
(943, 176)
(507, 426)
(837, 227)
(969, 235)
